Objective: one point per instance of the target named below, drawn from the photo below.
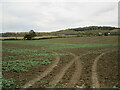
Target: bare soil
(73, 71)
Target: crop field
(77, 62)
(21, 38)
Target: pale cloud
(59, 0)
(52, 16)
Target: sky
(48, 16)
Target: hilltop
(91, 30)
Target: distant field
(102, 31)
(76, 62)
(2, 38)
(71, 33)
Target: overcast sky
(52, 16)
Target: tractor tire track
(45, 73)
(59, 76)
(75, 77)
(95, 81)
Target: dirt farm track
(79, 62)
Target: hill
(91, 30)
(70, 32)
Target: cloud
(52, 16)
(0, 17)
(59, 0)
(106, 7)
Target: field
(77, 62)
(21, 38)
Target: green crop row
(56, 46)
(9, 83)
(18, 51)
(27, 51)
(51, 45)
(20, 65)
(46, 83)
(50, 55)
(10, 57)
(63, 45)
(32, 55)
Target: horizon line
(58, 30)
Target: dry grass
(2, 38)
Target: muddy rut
(95, 81)
(78, 68)
(76, 74)
(62, 72)
(59, 76)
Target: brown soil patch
(66, 78)
(108, 70)
(78, 68)
(85, 79)
(95, 82)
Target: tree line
(92, 28)
(21, 34)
